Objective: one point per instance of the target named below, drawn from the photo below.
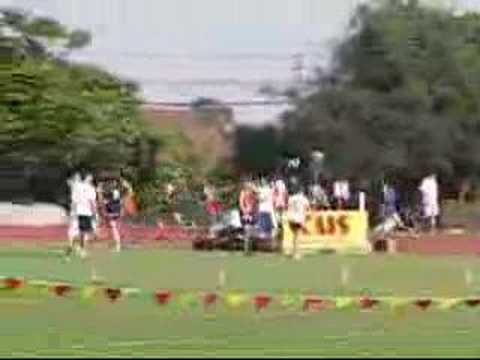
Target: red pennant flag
(163, 297)
(113, 294)
(62, 289)
(13, 283)
(368, 303)
(423, 304)
(261, 302)
(472, 302)
(210, 299)
(313, 304)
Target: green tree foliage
(401, 97)
(257, 150)
(55, 111)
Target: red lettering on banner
(332, 225)
(319, 225)
(343, 224)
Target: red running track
(426, 245)
(130, 232)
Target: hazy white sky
(203, 25)
(199, 25)
(135, 37)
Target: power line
(222, 104)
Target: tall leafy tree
(402, 95)
(55, 111)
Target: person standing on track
(248, 203)
(297, 214)
(85, 207)
(73, 231)
(430, 203)
(112, 193)
(280, 199)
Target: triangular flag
(312, 303)
(472, 302)
(291, 300)
(398, 305)
(89, 292)
(235, 300)
(163, 297)
(368, 303)
(423, 304)
(344, 302)
(13, 283)
(188, 300)
(61, 289)
(261, 302)
(446, 304)
(397, 302)
(131, 292)
(113, 294)
(210, 299)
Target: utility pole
(298, 68)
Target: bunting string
(232, 299)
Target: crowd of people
(262, 204)
(94, 204)
(398, 213)
(267, 204)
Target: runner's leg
(115, 234)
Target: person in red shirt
(213, 205)
(248, 202)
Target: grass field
(138, 326)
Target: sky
(184, 26)
(181, 49)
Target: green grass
(137, 326)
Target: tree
(56, 112)
(257, 150)
(38, 36)
(402, 95)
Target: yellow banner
(336, 230)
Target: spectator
(112, 193)
(73, 231)
(213, 205)
(430, 205)
(248, 202)
(319, 197)
(280, 199)
(266, 211)
(341, 193)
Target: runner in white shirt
(266, 206)
(298, 208)
(89, 180)
(73, 231)
(280, 199)
(85, 198)
(430, 204)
